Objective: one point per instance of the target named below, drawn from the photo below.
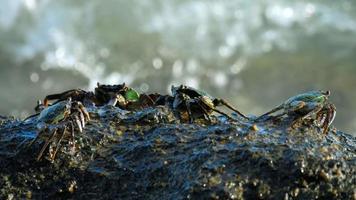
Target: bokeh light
(253, 53)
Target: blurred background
(255, 53)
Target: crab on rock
(102, 95)
(56, 121)
(313, 104)
(119, 95)
(199, 103)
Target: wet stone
(150, 154)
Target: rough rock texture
(149, 155)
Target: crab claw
(82, 119)
(330, 113)
(79, 124)
(84, 111)
(40, 106)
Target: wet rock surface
(150, 155)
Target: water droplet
(231, 40)
(177, 68)
(220, 79)
(30, 4)
(104, 52)
(47, 84)
(238, 66)
(225, 51)
(34, 77)
(288, 12)
(60, 52)
(157, 63)
(44, 66)
(309, 10)
(192, 65)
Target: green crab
(313, 104)
(54, 121)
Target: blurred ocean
(253, 53)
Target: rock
(152, 156)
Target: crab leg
(82, 119)
(144, 101)
(325, 126)
(295, 121)
(75, 93)
(34, 140)
(330, 116)
(295, 106)
(314, 111)
(147, 98)
(206, 114)
(46, 144)
(78, 123)
(58, 143)
(72, 134)
(189, 112)
(112, 102)
(280, 107)
(225, 103)
(31, 116)
(84, 112)
(222, 113)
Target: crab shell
(304, 103)
(55, 113)
(191, 92)
(312, 102)
(106, 93)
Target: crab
(111, 94)
(124, 97)
(199, 103)
(103, 94)
(313, 104)
(55, 121)
(115, 95)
